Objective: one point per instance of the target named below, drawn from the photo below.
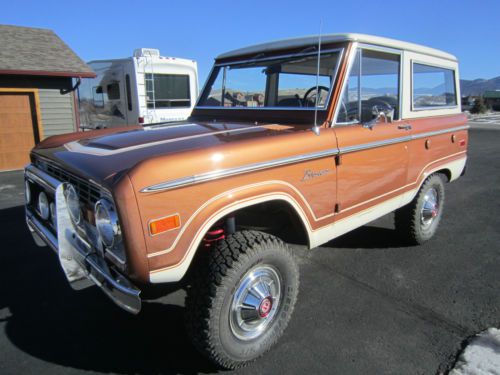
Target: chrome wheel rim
(256, 302)
(430, 208)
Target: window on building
(168, 90)
(433, 87)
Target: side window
(113, 90)
(433, 87)
(372, 82)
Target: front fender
(171, 263)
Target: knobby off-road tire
(241, 298)
(418, 221)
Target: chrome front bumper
(81, 262)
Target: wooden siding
(57, 111)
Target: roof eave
(48, 73)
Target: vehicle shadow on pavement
(368, 237)
(46, 319)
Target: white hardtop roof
(336, 38)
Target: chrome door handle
(404, 127)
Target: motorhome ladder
(149, 80)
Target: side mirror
(380, 112)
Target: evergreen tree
(479, 106)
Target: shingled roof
(26, 50)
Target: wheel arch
(176, 272)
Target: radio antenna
(315, 128)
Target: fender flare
(212, 215)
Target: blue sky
(202, 29)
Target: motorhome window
(113, 90)
(433, 87)
(168, 90)
(97, 96)
(129, 92)
(372, 82)
(281, 82)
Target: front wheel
(241, 299)
(418, 221)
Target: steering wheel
(380, 103)
(305, 99)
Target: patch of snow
(481, 356)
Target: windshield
(281, 82)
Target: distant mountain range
(473, 87)
(478, 86)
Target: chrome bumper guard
(81, 262)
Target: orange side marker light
(164, 224)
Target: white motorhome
(143, 89)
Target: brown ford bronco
(296, 140)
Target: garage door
(18, 133)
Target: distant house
(492, 99)
(36, 96)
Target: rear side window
(433, 87)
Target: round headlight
(43, 206)
(27, 192)
(73, 203)
(106, 222)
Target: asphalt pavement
(367, 304)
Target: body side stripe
(223, 173)
(295, 203)
(317, 237)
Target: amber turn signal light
(164, 224)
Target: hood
(104, 156)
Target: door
(373, 159)
(18, 129)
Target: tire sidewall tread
(208, 301)
(407, 218)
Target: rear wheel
(418, 221)
(241, 299)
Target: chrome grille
(88, 193)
